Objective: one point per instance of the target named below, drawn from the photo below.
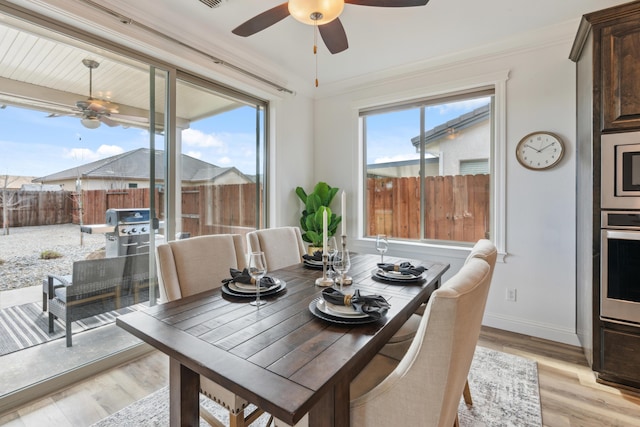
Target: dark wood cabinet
(620, 63)
(607, 55)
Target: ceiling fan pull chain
(315, 47)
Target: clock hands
(533, 148)
(547, 146)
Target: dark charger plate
(313, 308)
(228, 291)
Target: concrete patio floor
(42, 369)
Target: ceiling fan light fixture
(90, 122)
(315, 12)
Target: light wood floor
(568, 391)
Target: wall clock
(540, 150)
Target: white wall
(540, 206)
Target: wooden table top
(280, 357)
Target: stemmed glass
(342, 264)
(257, 270)
(332, 250)
(382, 244)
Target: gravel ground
(20, 263)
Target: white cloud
(224, 161)
(462, 106)
(397, 158)
(196, 138)
(194, 154)
(87, 155)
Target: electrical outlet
(511, 294)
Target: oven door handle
(621, 234)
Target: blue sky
(33, 144)
(389, 134)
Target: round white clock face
(540, 150)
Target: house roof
(464, 121)
(135, 165)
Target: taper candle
(324, 232)
(344, 213)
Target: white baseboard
(534, 329)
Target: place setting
(353, 309)
(252, 282)
(400, 273)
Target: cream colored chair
(424, 388)
(401, 340)
(190, 266)
(282, 246)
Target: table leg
(184, 395)
(332, 409)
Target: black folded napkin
(317, 256)
(372, 305)
(403, 267)
(244, 277)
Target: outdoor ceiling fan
(95, 111)
(321, 13)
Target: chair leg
(209, 418)
(466, 393)
(51, 317)
(68, 330)
(236, 420)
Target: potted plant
(315, 203)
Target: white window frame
(498, 81)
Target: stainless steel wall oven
(620, 267)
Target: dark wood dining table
(280, 357)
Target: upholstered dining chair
(431, 377)
(187, 267)
(424, 388)
(401, 340)
(282, 246)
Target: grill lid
(127, 216)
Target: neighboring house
(14, 182)
(128, 170)
(457, 147)
(40, 187)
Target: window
(428, 168)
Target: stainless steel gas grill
(130, 235)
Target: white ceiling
(379, 38)
(36, 65)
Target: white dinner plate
(251, 289)
(397, 275)
(338, 310)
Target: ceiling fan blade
(388, 3)
(262, 21)
(334, 36)
(107, 121)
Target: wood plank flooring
(569, 393)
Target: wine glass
(257, 270)
(342, 264)
(382, 244)
(332, 250)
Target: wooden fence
(29, 208)
(456, 208)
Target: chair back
(282, 246)
(486, 250)
(425, 387)
(190, 266)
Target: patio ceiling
(42, 70)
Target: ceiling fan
(95, 111)
(323, 13)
